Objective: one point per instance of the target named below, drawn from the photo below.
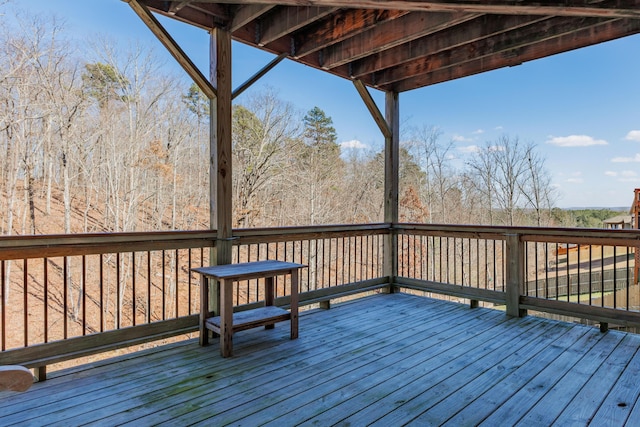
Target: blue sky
(581, 108)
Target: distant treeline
(584, 218)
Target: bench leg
(204, 309)
(268, 296)
(226, 318)
(40, 373)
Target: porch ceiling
(399, 45)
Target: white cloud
(460, 138)
(354, 143)
(575, 141)
(575, 180)
(497, 148)
(498, 128)
(635, 158)
(469, 149)
(628, 176)
(633, 135)
(478, 132)
(624, 176)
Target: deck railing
(462, 261)
(67, 296)
(572, 272)
(63, 297)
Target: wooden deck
(385, 360)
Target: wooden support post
(325, 305)
(604, 327)
(474, 303)
(220, 187)
(391, 186)
(390, 128)
(514, 261)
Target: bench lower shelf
(249, 319)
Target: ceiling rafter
(499, 43)
(284, 21)
(608, 30)
(175, 6)
(247, 13)
(203, 18)
(401, 45)
(467, 32)
(339, 27)
(609, 8)
(389, 34)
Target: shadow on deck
(389, 360)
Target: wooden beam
(610, 8)
(339, 27)
(606, 31)
(286, 20)
(470, 31)
(389, 34)
(173, 48)
(247, 13)
(205, 15)
(373, 109)
(258, 75)
(500, 42)
(175, 6)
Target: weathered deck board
(383, 360)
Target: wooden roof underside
(399, 45)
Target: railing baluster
(45, 298)
(4, 303)
(176, 288)
(189, 282)
(602, 276)
(578, 276)
(84, 295)
(25, 294)
(65, 270)
(119, 287)
(627, 280)
(546, 270)
(149, 286)
(615, 277)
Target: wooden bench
(227, 322)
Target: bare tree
(511, 176)
(441, 184)
(261, 131)
(537, 189)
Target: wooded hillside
(104, 139)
